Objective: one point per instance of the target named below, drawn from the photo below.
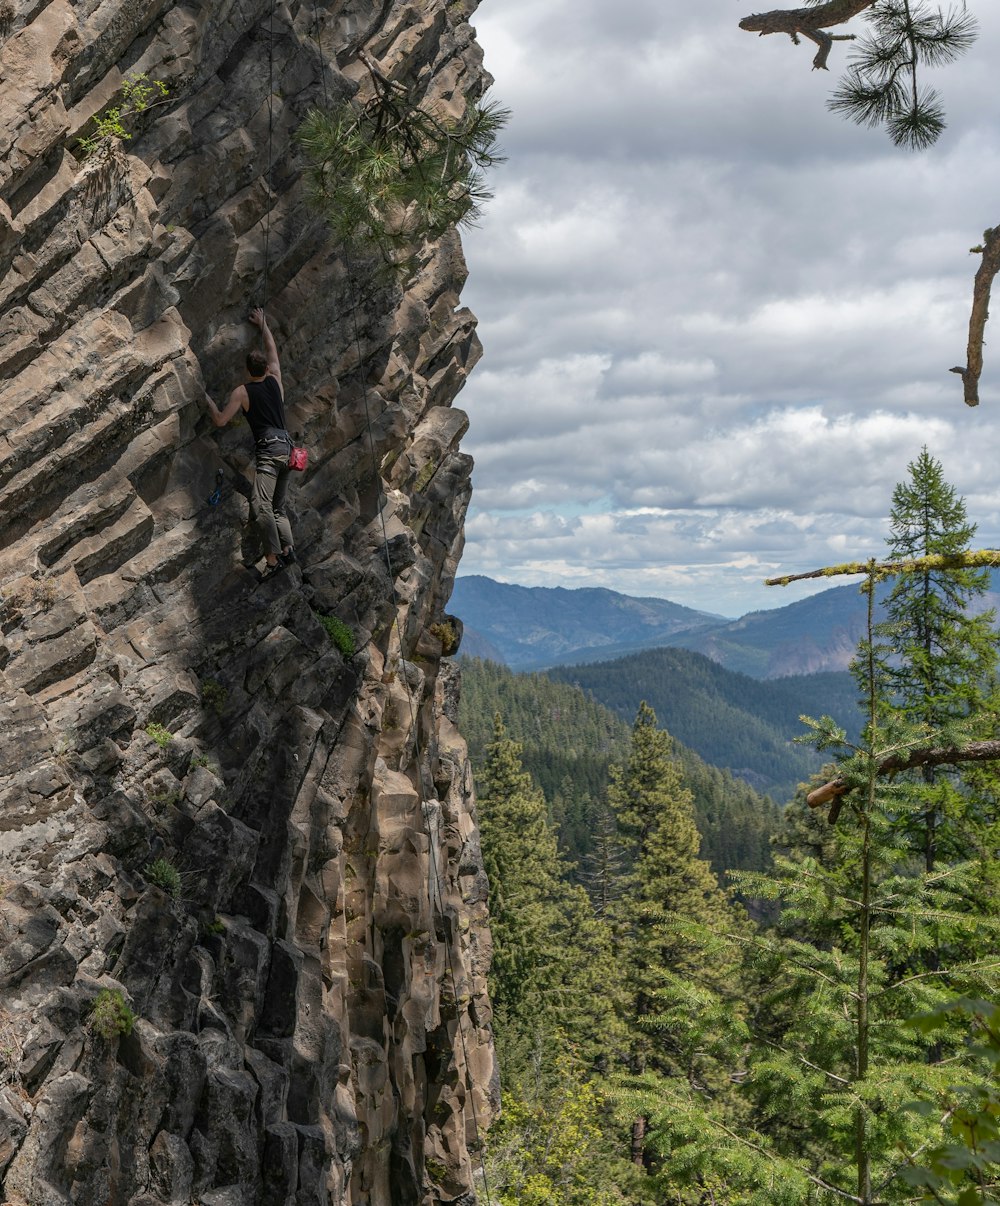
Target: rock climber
(262, 401)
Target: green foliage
(390, 172)
(882, 88)
(696, 1152)
(767, 1065)
(858, 949)
(115, 124)
(159, 734)
(165, 875)
(552, 960)
(964, 1170)
(551, 1146)
(675, 933)
(937, 658)
(339, 634)
(214, 695)
(110, 1015)
(447, 634)
(553, 984)
(158, 801)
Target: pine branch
(976, 751)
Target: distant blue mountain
(533, 627)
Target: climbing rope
(435, 882)
(270, 154)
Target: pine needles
(391, 172)
(882, 88)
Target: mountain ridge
(539, 628)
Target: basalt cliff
(243, 932)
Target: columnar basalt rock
(311, 1022)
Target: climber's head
(256, 363)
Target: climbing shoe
(286, 559)
(268, 571)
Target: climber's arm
(237, 399)
(258, 318)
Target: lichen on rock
(307, 998)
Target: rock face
(243, 936)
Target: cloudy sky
(717, 318)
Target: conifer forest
(704, 996)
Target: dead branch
(952, 755)
(810, 22)
(990, 250)
(978, 559)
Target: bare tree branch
(977, 559)
(947, 755)
(810, 22)
(990, 250)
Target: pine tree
(673, 922)
(391, 171)
(882, 85)
(552, 965)
(937, 660)
(554, 990)
(603, 866)
(854, 957)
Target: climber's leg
(262, 504)
(284, 528)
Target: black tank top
(267, 409)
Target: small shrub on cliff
(11, 1052)
(110, 1015)
(214, 695)
(159, 734)
(138, 93)
(339, 634)
(165, 875)
(45, 594)
(447, 634)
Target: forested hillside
(659, 1041)
(742, 724)
(569, 741)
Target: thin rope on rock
(270, 156)
(434, 879)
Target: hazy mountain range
(535, 627)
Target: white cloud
(718, 319)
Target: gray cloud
(717, 318)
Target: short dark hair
(256, 363)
